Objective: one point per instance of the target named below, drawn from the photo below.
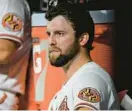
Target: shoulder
(93, 78)
(93, 74)
(91, 90)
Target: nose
(52, 40)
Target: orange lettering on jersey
(63, 105)
(89, 94)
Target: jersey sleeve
(93, 92)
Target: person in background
(15, 45)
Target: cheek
(66, 44)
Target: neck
(79, 60)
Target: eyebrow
(59, 31)
(48, 32)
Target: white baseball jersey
(90, 87)
(15, 25)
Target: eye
(60, 34)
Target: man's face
(63, 46)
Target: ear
(83, 39)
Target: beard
(62, 59)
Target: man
(15, 45)
(89, 87)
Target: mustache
(51, 49)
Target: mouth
(54, 51)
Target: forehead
(59, 22)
